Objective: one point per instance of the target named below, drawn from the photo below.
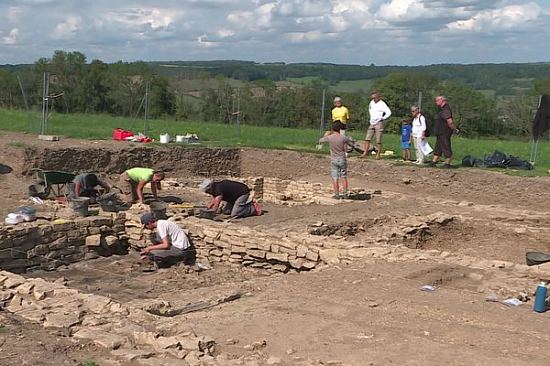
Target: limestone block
(144, 338)
(6, 295)
(111, 240)
(296, 263)
(256, 253)
(329, 256)
(96, 304)
(99, 221)
(301, 251)
(25, 288)
(34, 315)
(309, 265)
(131, 354)
(93, 240)
(6, 243)
(6, 254)
(119, 228)
(44, 230)
(94, 230)
(59, 243)
(63, 226)
(100, 337)
(281, 257)
(13, 280)
(216, 253)
(61, 320)
(312, 256)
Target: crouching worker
(85, 184)
(338, 162)
(235, 197)
(171, 244)
(132, 182)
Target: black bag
(468, 161)
(428, 130)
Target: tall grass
(213, 134)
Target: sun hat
(207, 183)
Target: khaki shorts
(127, 188)
(375, 130)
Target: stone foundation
(48, 245)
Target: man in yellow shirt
(132, 182)
(340, 113)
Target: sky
(364, 32)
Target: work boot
(336, 196)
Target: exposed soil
(367, 313)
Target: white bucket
(164, 138)
(180, 138)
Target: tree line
(119, 89)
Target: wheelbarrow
(52, 181)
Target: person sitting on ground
(85, 184)
(171, 244)
(235, 197)
(338, 162)
(132, 182)
(406, 139)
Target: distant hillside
(504, 79)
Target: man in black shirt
(235, 195)
(444, 129)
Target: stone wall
(194, 161)
(48, 245)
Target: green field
(101, 127)
(353, 86)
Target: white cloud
(508, 17)
(342, 31)
(12, 37)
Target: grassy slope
(101, 127)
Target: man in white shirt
(418, 132)
(171, 243)
(379, 113)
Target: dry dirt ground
(368, 312)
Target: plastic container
(180, 138)
(80, 206)
(164, 138)
(540, 298)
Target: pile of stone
(132, 334)
(48, 245)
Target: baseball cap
(147, 218)
(206, 184)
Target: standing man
(132, 182)
(338, 162)
(444, 129)
(379, 113)
(418, 132)
(340, 113)
(170, 245)
(235, 195)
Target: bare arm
(451, 124)
(214, 203)
(77, 189)
(164, 245)
(139, 190)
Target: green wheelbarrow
(51, 181)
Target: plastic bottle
(540, 298)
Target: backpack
(428, 130)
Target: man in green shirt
(132, 182)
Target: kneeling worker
(132, 182)
(235, 195)
(84, 185)
(171, 245)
